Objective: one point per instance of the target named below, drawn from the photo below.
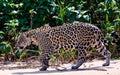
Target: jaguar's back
(71, 35)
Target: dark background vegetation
(17, 16)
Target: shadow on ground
(98, 68)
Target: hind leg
(81, 58)
(100, 47)
(107, 55)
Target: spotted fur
(77, 35)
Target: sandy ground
(89, 68)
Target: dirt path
(88, 68)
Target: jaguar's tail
(116, 37)
(115, 41)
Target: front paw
(106, 64)
(43, 68)
(74, 67)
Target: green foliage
(63, 56)
(21, 15)
(1, 34)
(5, 47)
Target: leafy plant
(5, 47)
(5, 50)
(1, 35)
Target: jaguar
(77, 35)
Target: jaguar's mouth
(19, 48)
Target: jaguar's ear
(27, 35)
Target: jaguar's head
(30, 37)
(22, 41)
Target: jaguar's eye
(21, 47)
